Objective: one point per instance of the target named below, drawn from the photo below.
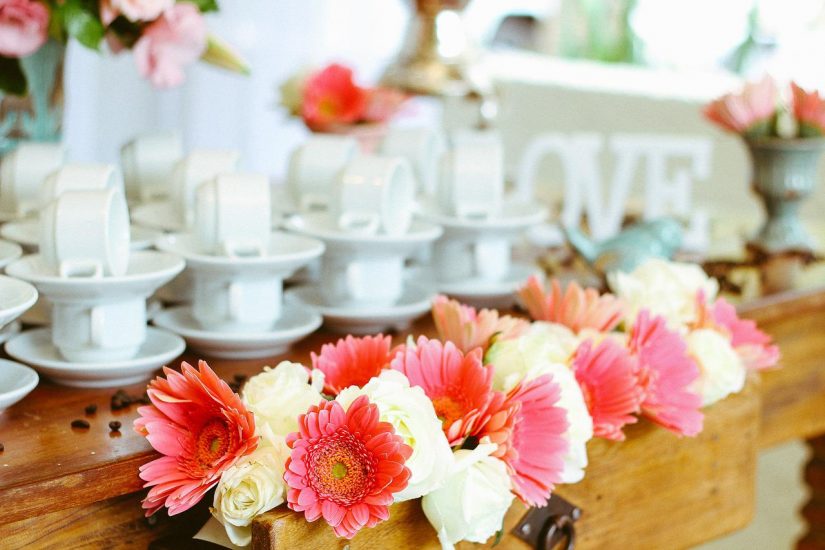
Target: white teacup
(315, 166)
(375, 194)
(148, 163)
(99, 333)
(422, 147)
(362, 282)
(195, 169)
(86, 233)
(241, 305)
(471, 184)
(233, 215)
(486, 260)
(22, 172)
(78, 177)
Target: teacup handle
(235, 300)
(97, 321)
(359, 222)
(92, 269)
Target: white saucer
(27, 234)
(480, 293)
(295, 323)
(162, 215)
(15, 298)
(10, 330)
(515, 217)
(35, 348)
(415, 302)
(9, 252)
(16, 381)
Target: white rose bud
(412, 415)
(721, 371)
(472, 503)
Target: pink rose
(24, 26)
(139, 10)
(168, 44)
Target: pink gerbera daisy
(607, 376)
(576, 308)
(530, 433)
(468, 329)
(352, 361)
(666, 373)
(200, 427)
(752, 345)
(458, 385)
(345, 466)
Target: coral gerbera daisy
(200, 427)
(469, 329)
(459, 385)
(666, 374)
(352, 361)
(345, 466)
(607, 376)
(529, 430)
(577, 308)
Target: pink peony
(331, 97)
(24, 27)
(138, 10)
(469, 329)
(809, 110)
(168, 44)
(352, 361)
(666, 374)
(200, 427)
(748, 112)
(576, 308)
(345, 466)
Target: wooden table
(64, 487)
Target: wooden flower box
(700, 488)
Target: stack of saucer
(98, 291)
(368, 231)
(237, 266)
(16, 380)
(472, 259)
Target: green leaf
(204, 5)
(12, 79)
(499, 534)
(82, 23)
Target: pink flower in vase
(169, 44)
(345, 466)
(459, 385)
(382, 104)
(666, 374)
(748, 112)
(24, 27)
(606, 374)
(200, 427)
(576, 308)
(352, 361)
(469, 329)
(331, 97)
(133, 10)
(530, 433)
(809, 110)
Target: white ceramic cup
(86, 233)
(471, 184)
(78, 177)
(375, 195)
(99, 333)
(315, 166)
(233, 215)
(362, 282)
(238, 305)
(22, 172)
(422, 147)
(195, 169)
(148, 163)
(486, 260)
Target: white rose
(664, 288)
(277, 396)
(721, 370)
(472, 503)
(249, 488)
(541, 343)
(412, 415)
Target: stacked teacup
(98, 290)
(148, 162)
(237, 266)
(361, 207)
(472, 259)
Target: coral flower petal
(469, 329)
(352, 361)
(576, 308)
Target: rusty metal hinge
(545, 528)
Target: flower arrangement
(329, 99)
(492, 409)
(164, 35)
(762, 110)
